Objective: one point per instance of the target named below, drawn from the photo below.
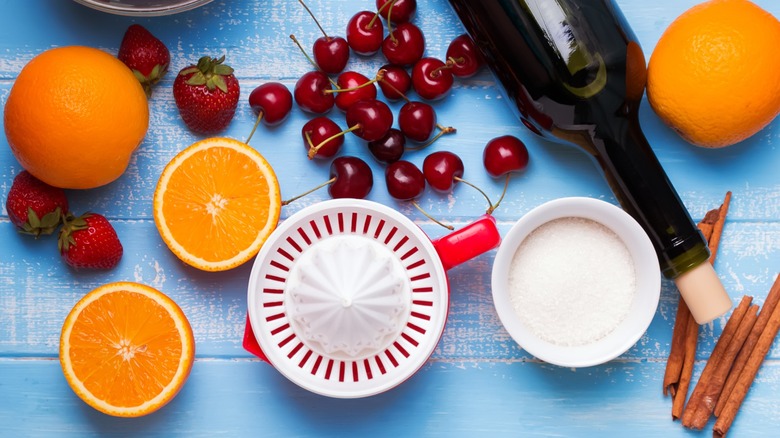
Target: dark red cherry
(464, 57)
(389, 148)
(405, 181)
(272, 101)
(417, 120)
(398, 11)
(395, 82)
(351, 80)
(310, 92)
(404, 45)
(369, 119)
(503, 155)
(331, 54)
(431, 78)
(365, 33)
(315, 133)
(441, 169)
(352, 178)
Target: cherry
(404, 45)
(369, 119)
(350, 177)
(310, 92)
(503, 155)
(395, 82)
(442, 169)
(405, 181)
(353, 87)
(399, 11)
(365, 33)
(330, 53)
(272, 102)
(464, 57)
(431, 78)
(322, 137)
(389, 148)
(417, 120)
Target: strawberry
(34, 206)
(207, 95)
(89, 241)
(146, 56)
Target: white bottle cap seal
(703, 293)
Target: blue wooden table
(478, 381)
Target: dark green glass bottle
(575, 72)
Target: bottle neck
(644, 190)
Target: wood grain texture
(479, 382)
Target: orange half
(216, 203)
(126, 349)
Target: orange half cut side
(216, 203)
(126, 349)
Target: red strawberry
(89, 241)
(146, 56)
(34, 206)
(207, 95)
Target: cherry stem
(490, 204)
(389, 21)
(375, 17)
(389, 24)
(330, 181)
(314, 18)
(314, 149)
(437, 71)
(425, 213)
(506, 184)
(254, 128)
(365, 84)
(297, 43)
(295, 40)
(455, 61)
(442, 130)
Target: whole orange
(714, 75)
(74, 116)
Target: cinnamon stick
(748, 374)
(767, 308)
(712, 363)
(674, 364)
(714, 241)
(712, 389)
(691, 336)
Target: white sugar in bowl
(576, 282)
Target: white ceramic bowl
(143, 8)
(641, 310)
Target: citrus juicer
(348, 298)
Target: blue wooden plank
(445, 398)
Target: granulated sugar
(572, 281)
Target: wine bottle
(575, 73)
